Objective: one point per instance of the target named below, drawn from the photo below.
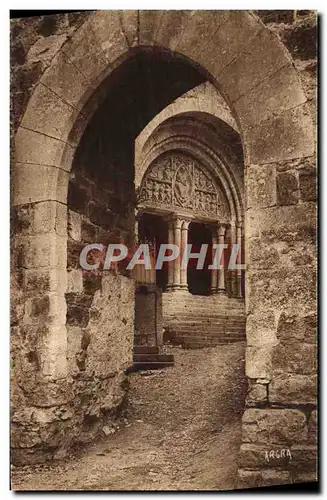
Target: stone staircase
(195, 321)
(150, 358)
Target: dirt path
(182, 432)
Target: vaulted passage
(132, 128)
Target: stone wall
(280, 422)
(96, 314)
(260, 81)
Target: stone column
(177, 262)
(239, 260)
(171, 263)
(221, 272)
(214, 272)
(184, 239)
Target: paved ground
(182, 432)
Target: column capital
(222, 229)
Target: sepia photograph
(163, 250)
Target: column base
(221, 291)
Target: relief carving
(180, 181)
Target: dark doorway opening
(199, 280)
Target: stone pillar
(184, 239)
(228, 274)
(177, 262)
(221, 272)
(239, 260)
(214, 272)
(171, 263)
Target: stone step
(140, 349)
(175, 322)
(149, 358)
(201, 345)
(151, 365)
(201, 335)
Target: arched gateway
(256, 76)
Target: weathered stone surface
(292, 328)
(261, 186)
(293, 389)
(276, 477)
(282, 288)
(297, 143)
(52, 184)
(248, 478)
(109, 34)
(258, 361)
(250, 68)
(313, 427)
(293, 222)
(44, 49)
(295, 358)
(260, 103)
(62, 114)
(273, 426)
(74, 225)
(305, 477)
(129, 23)
(65, 80)
(257, 394)
(34, 147)
(287, 188)
(85, 53)
(254, 456)
(75, 281)
(308, 182)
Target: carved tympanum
(178, 180)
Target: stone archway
(254, 73)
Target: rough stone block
(78, 309)
(304, 458)
(251, 67)
(232, 32)
(293, 389)
(274, 426)
(85, 52)
(282, 288)
(295, 358)
(272, 96)
(261, 186)
(53, 354)
(75, 281)
(258, 361)
(275, 477)
(248, 478)
(305, 477)
(65, 80)
(44, 280)
(34, 147)
(58, 119)
(313, 427)
(293, 328)
(287, 188)
(297, 143)
(109, 34)
(129, 22)
(255, 456)
(257, 394)
(52, 184)
(283, 223)
(308, 183)
(74, 225)
(39, 251)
